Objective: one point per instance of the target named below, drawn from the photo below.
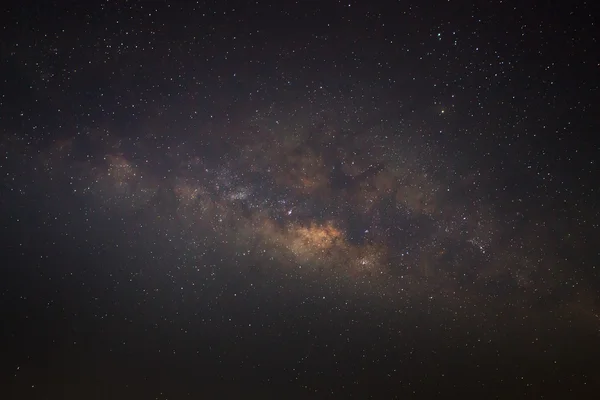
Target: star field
(320, 200)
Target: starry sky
(299, 200)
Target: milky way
(328, 199)
(385, 214)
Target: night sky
(299, 200)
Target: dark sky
(309, 199)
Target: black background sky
(299, 200)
